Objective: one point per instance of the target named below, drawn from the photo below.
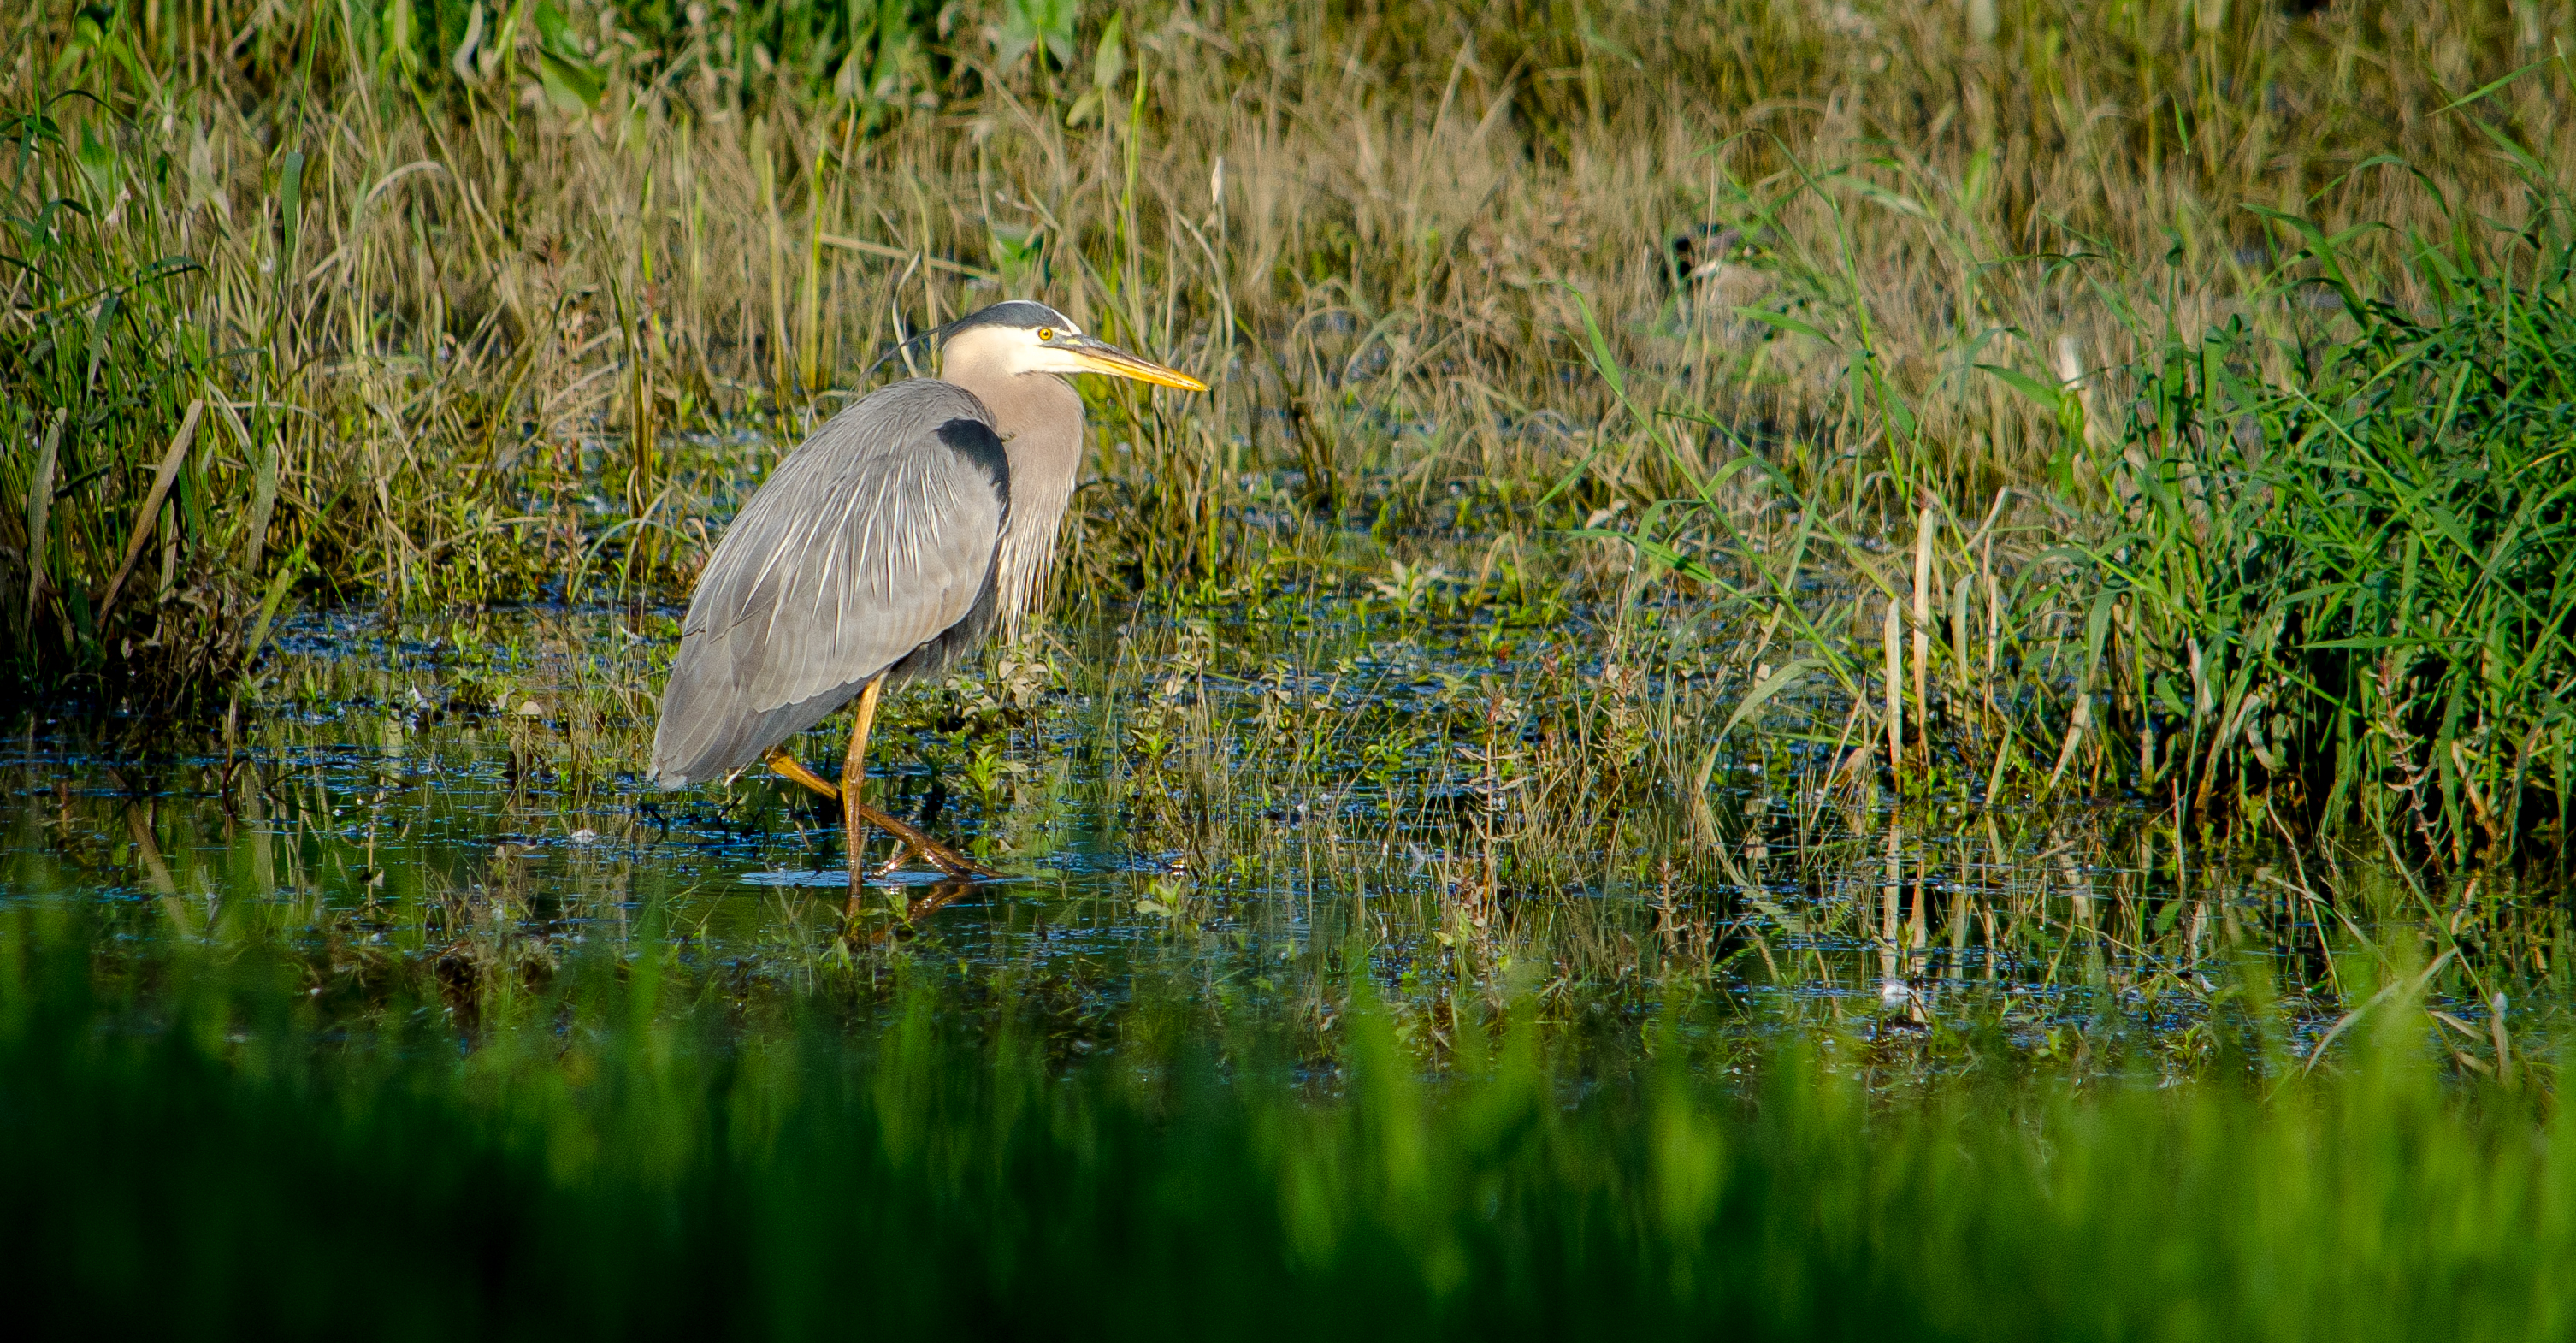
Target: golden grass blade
(171, 461)
(40, 510)
(1894, 628)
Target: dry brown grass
(488, 297)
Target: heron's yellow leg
(948, 860)
(856, 813)
(854, 773)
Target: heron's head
(1018, 336)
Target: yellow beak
(1102, 357)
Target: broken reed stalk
(143, 517)
(40, 512)
(1894, 631)
(1925, 522)
(2076, 724)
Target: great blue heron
(881, 550)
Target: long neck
(1039, 417)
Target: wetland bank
(1816, 669)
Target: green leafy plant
(1040, 25)
(2360, 577)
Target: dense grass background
(483, 304)
(192, 1148)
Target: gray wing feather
(870, 540)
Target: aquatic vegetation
(194, 1146)
(2352, 583)
(1211, 810)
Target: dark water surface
(1236, 806)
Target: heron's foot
(903, 856)
(946, 859)
(905, 853)
(915, 843)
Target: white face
(1051, 349)
(1046, 349)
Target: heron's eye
(1045, 334)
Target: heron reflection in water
(880, 551)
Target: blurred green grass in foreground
(190, 1150)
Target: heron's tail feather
(709, 729)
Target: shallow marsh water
(1224, 808)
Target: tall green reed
(2346, 568)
